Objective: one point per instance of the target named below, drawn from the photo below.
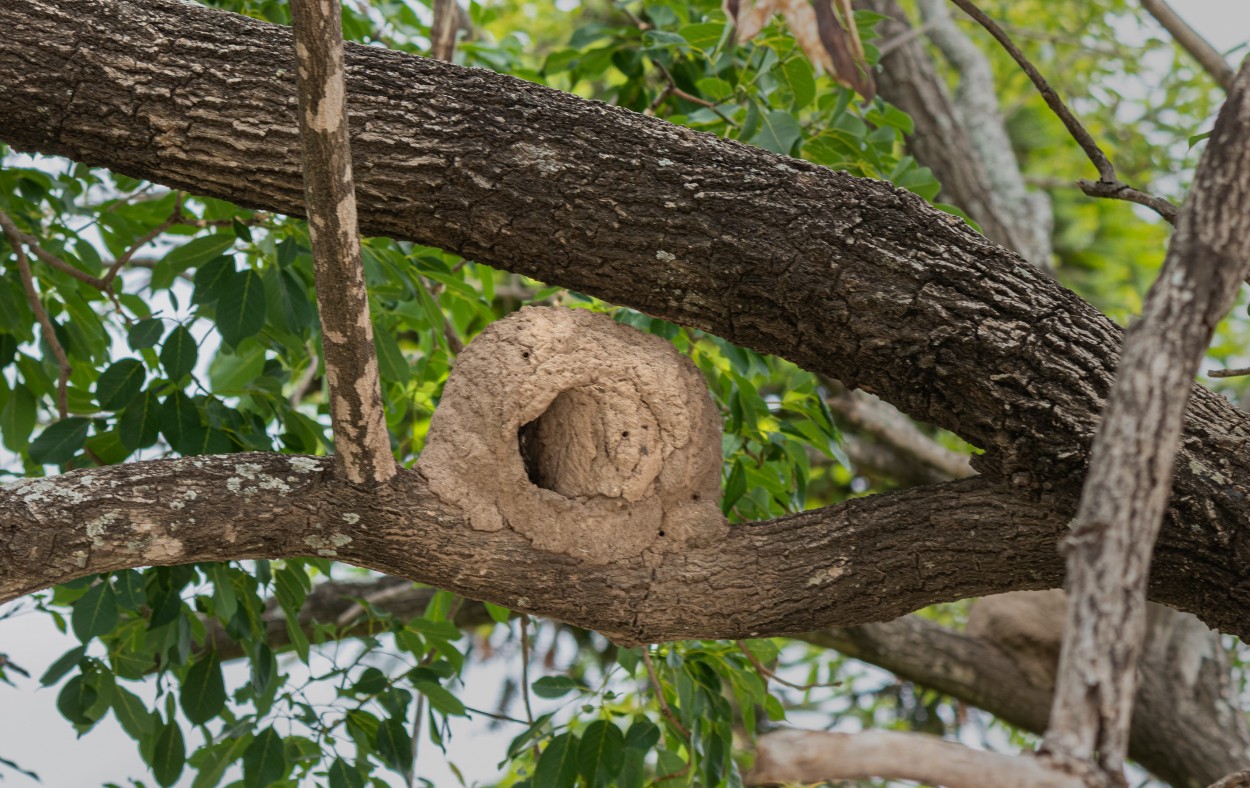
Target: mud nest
(590, 438)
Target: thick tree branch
(360, 437)
(844, 276)
(1189, 729)
(798, 756)
(1198, 47)
(787, 575)
(1129, 481)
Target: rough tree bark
(1129, 481)
(351, 360)
(844, 276)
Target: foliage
(207, 342)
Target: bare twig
(1228, 373)
(360, 435)
(659, 695)
(763, 670)
(45, 323)
(1108, 183)
(525, 668)
(1198, 47)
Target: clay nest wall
(590, 438)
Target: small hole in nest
(694, 497)
(625, 434)
(661, 532)
(526, 354)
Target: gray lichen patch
(590, 438)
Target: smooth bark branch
(841, 275)
(360, 437)
(798, 756)
(1198, 47)
(1129, 481)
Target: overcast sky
(35, 735)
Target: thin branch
(360, 435)
(1108, 184)
(1228, 373)
(764, 671)
(1198, 47)
(525, 668)
(659, 694)
(443, 30)
(45, 322)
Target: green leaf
(132, 714)
(120, 384)
(1194, 140)
(392, 365)
(63, 665)
(145, 334)
(197, 251)
(601, 753)
(203, 694)
(778, 132)
(642, 735)
(394, 745)
(140, 422)
(60, 441)
(8, 349)
(74, 699)
(169, 754)
(182, 424)
(499, 615)
(797, 75)
(552, 687)
(241, 310)
(95, 612)
(715, 88)
(179, 353)
(440, 699)
(557, 766)
(211, 761)
(705, 36)
(342, 775)
(232, 372)
(210, 280)
(17, 418)
(264, 761)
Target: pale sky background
(37, 737)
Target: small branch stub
(588, 437)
